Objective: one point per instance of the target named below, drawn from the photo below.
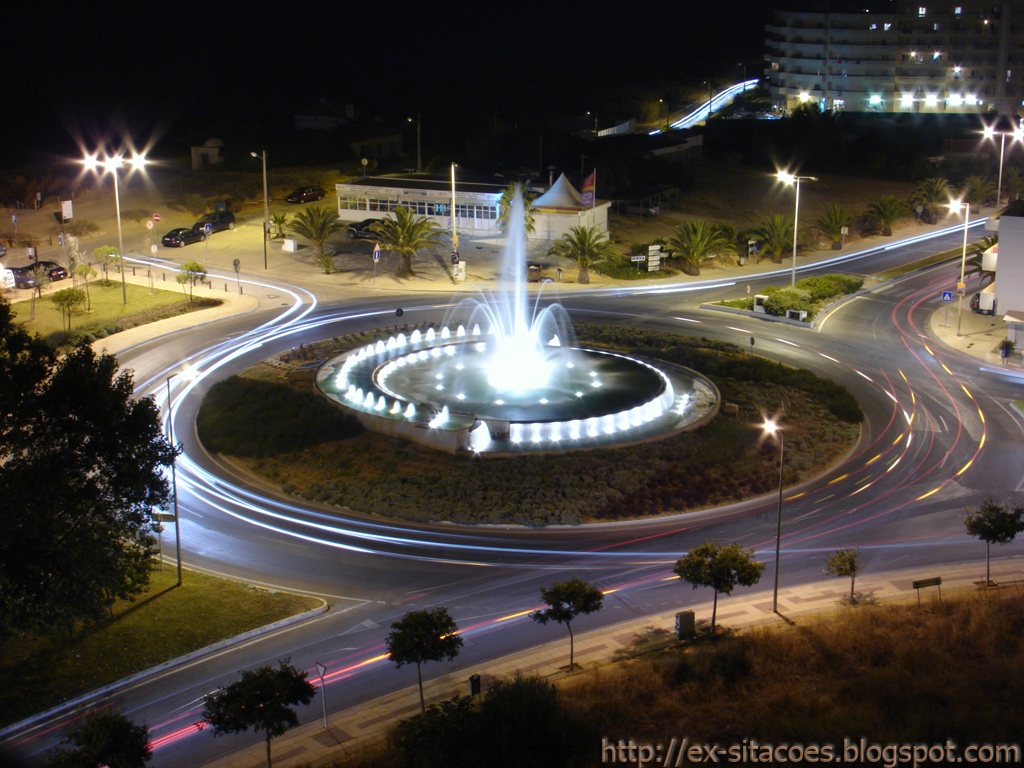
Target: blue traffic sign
(376, 252)
(947, 295)
(208, 229)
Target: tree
(587, 246)
(86, 272)
(976, 259)
(994, 524)
(842, 563)
(261, 700)
(566, 601)
(832, 221)
(697, 241)
(191, 274)
(82, 465)
(978, 189)
(102, 738)
(316, 224)
(107, 257)
(279, 220)
(138, 215)
(422, 636)
(1013, 182)
(775, 235)
(505, 207)
(721, 568)
(68, 300)
(931, 194)
(886, 211)
(406, 235)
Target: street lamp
(266, 205)
(989, 133)
(773, 429)
(788, 178)
(112, 164)
(954, 206)
(419, 157)
(187, 375)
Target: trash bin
(474, 685)
(685, 625)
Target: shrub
(81, 227)
(788, 298)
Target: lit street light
(1018, 135)
(112, 164)
(961, 286)
(773, 429)
(266, 205)
(419, 157)
(789, 178)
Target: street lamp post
(773, 429)
(419, 156)
(955, 207)
(1018, 135)
(112, 164)
(174, 479)
(789, 178)
(266, 205)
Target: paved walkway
(359, 728)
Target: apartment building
(944, 57)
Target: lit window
(921, 10)
(887, 26)
(873, 26)
(971, 99)
(931, 100)
(956, 100)
(937, 55)
(875, 100)
(804, 96)
(907, 100)
(958, 10)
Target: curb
(110, 688)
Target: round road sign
(149, 225)
(156, 217)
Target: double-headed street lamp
(774, 429)
(961, 286)
(990, 133)
(266, 205)
(112, 164)
(788, 178)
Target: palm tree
(406, 235)
(832, 222)
(505, 206)
(976, 251)
(316, 224)
(775, 235)
(886, 211)
(931, 194)
(1013, 182)
(698, 241)
(978, 189)
(586, 246)
(278, 220)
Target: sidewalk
(362, 727)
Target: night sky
(180, 72)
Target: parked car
(218, 221)
(23, 277)
(362, 229)
(306, 194)
(55, 270)
(182, 236)
(983, 305)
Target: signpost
(207, 230)
(320, 670)
(156, 218)
(947, 297)
(237, 265)
(376, 258)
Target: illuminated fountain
(502, 376)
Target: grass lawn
(107, 307)
(161, 624)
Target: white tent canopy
(561, 195)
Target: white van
(6, 278)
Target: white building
(948, 56)
(476, 204)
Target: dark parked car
(306, 194)
(362, 229)
(55, 270)
(23, 277)
(180, 237)
(989, 307)
(218, 221)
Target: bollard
(133, 271)
(474, 685)
(225, 287)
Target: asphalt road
(938, 437)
